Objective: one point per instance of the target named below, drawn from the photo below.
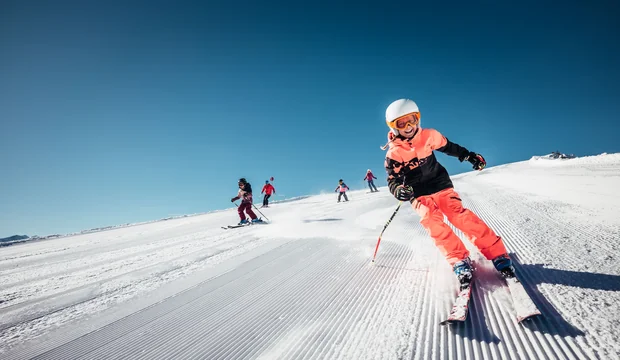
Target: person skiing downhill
(415, 175)
(268, 189)
(369, 177)
(245, 194)
(342, 190)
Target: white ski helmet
(399, 108)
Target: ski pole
(385, 227)
(263, 215)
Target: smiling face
(406, 125)
(409, 131)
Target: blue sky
(121, 111)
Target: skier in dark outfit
(245, 194)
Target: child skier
(342, 189)
(245, 194)
(415, 175)
(268, 189)
(371, 184)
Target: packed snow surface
(303, 286)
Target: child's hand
(404, 193)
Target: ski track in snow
(303, 287)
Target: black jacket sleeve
(392, 185)
(454, 149)
(393, 178)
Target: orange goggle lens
(401, 123)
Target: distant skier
(415, 175)
(342, 190)
(268, 189)
(371, 184)
(245, 194)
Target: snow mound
(554, 155)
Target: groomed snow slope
(303, 287)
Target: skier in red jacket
(268, 189)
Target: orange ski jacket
(412, 161)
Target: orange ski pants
(432, 209)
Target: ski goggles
(400, 123)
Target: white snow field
(304, 287)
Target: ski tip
(527, 318)
(450, 322)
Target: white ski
(460, 308)
(524, 306)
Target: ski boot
(243, 222)
(257, 220)
(464, 272)
(503, 264)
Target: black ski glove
(404, 193)
(476, 160)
